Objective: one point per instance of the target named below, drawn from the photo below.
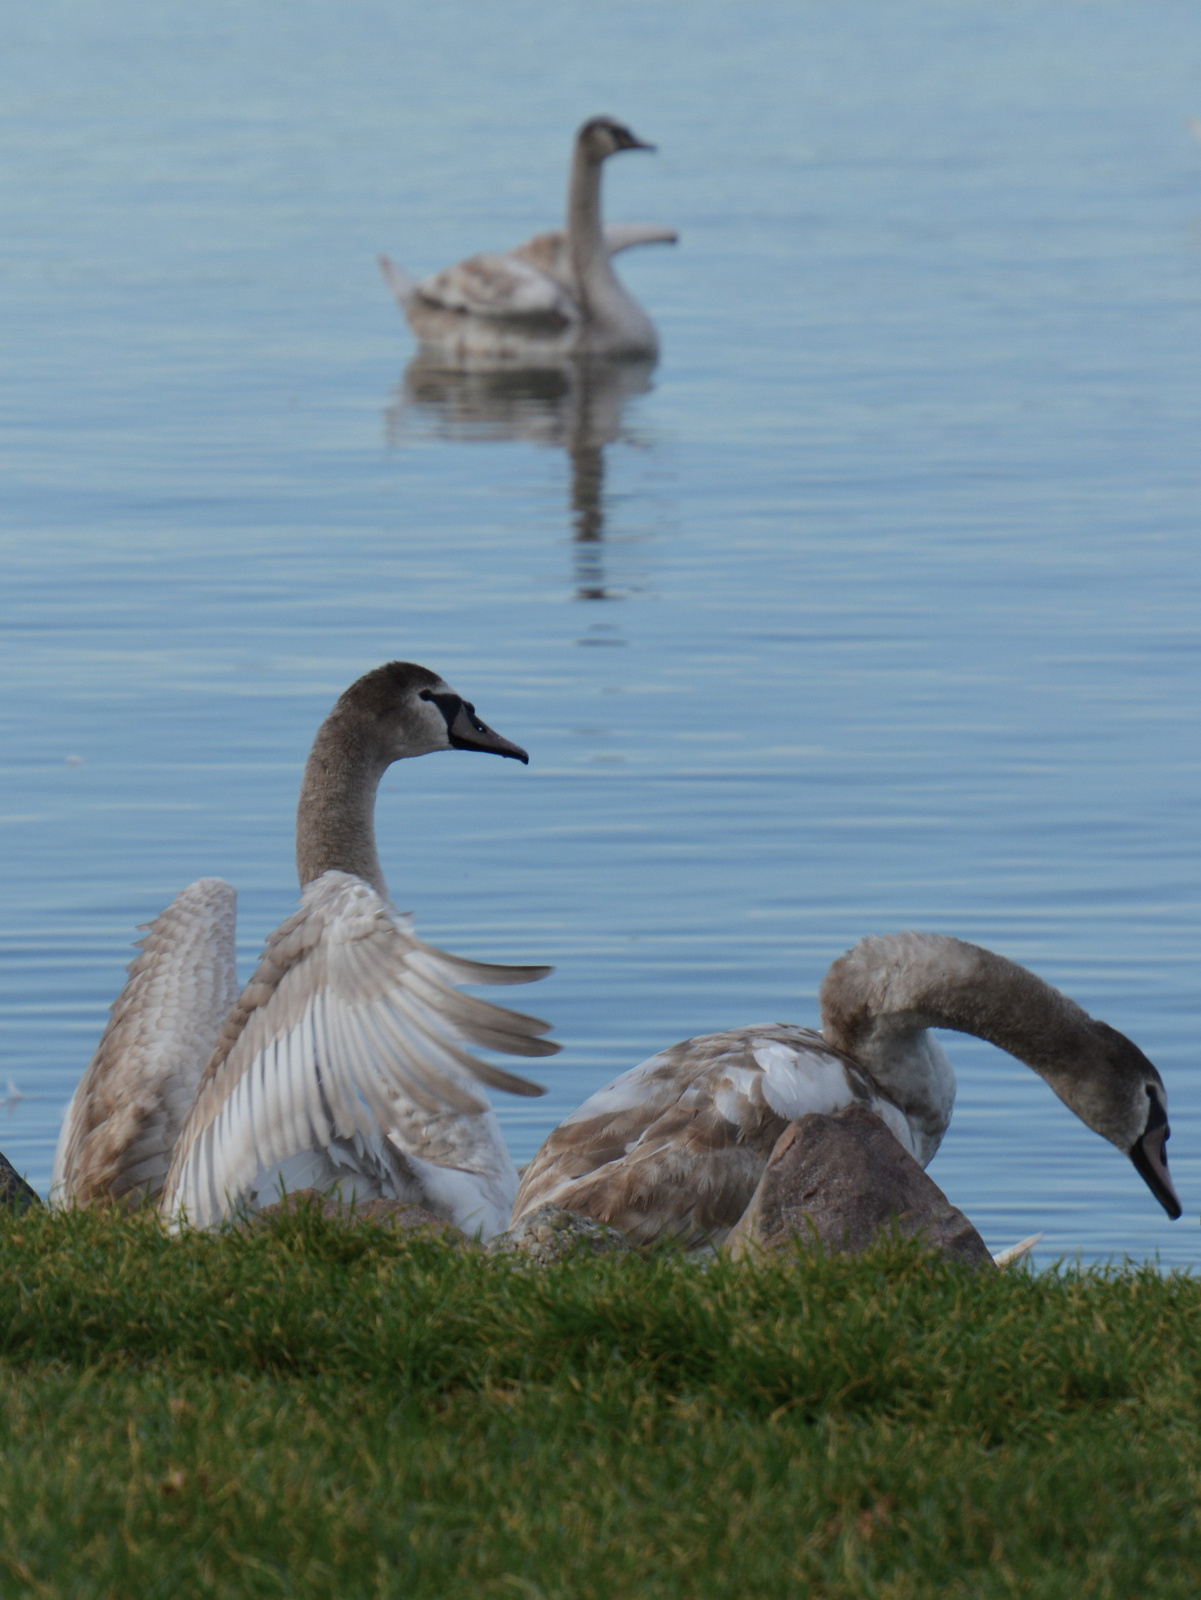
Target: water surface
(873, 606)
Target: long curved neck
(614, 318)
(590, 263)
(335, 817)
(880, 998)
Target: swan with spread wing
(347, 1059)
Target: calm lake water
(874, 606)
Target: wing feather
(313, 1110)
(479, 1020)
(349, 1026)
(348, 1109)
(677, 1145)
(455, 969)
(134, 1097)
(406, 1035)
(505, 287)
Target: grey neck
(585, 237)
(604, 303)
(879, 1000)
(335, 818)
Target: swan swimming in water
(342, 1062)
(556, 295)
(676, 1147)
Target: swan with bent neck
(676, 1147)
(342, 1063)
(556, 295)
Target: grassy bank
(318, 1412)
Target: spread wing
(350, 1025)
(506, 287)
(677, 1145)
(132, 1101)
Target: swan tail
(402, 286)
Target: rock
(399, 1214)
(551, 1234)
(838, 1182)
(15, 1194)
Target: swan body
(344, 1061)
(555, 295)
(676, 1146)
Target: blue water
(874, 606)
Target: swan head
(1121, 1096)
(407, 710)
(879, 998)
(601, 137)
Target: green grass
(315, 1411)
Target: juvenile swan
(555, 295)
(677, 1145)
(342, 1061)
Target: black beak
(630, 142)
(1151, 1162)
(467, 732)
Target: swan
(342, 1060)
(676, 1147)
(555, 295)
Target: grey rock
(15, 1194)
(838, 1182)
(551, 1234)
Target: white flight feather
(350, 1018)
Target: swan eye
(1157, 1115)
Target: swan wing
(351, 1025)
(548, 251)
(507, 287)
(625, 235)
(677, 1145)
(134, 1097)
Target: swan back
(127, 1111)
(677, 1145)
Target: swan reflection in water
(577, 405)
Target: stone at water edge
(15, 1194)
(839, 1182)
(551, 1234)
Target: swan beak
(467, 732)
(1151, 1163)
